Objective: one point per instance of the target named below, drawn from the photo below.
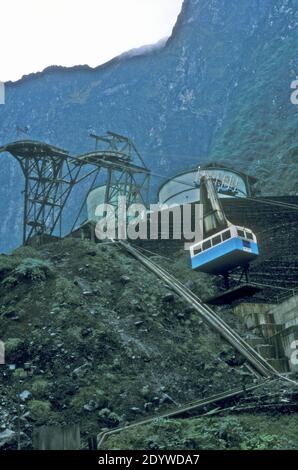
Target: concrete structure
(98, 196)
(182, 188)
(273, 331)
(57, 438)
(287, 312)
(287, 339)
(94, 199)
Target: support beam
(51, 174)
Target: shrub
(25, 252)
(16, 350)
(40, 410)
(29, 269)
(66, 292)
(261, 442)
(41, 388)
(13, 344)
(89, 394)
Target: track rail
(195, 405)
(208, 315)
(254, 359)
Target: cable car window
(207, 245)
(196, 251)
(246, 244)
(241, 233)
(216, 240)
(249, 236)
(226, 235)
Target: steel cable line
(249, 198)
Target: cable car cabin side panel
(224, 246)
(225, 256)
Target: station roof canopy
(31, 148)
(210, 166)
(218, 166)
(110, 159)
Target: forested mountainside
(219, 89)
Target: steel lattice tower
(51, 174)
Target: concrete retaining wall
(277, 324)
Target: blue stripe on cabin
(222, 249)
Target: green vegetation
(245, 432)
(260, 129)
(27, 270)
(40, 411)
(95, 339)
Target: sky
(35, 34)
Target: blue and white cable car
(224, 246)
(226, 250)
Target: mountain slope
(93, 338)
(207, 94)
(260, 127)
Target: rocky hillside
(93, 338)
(219, 89)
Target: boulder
(25, 395)
(124, 279)
(92, 405)
(81, 371)
(168, 298)
(7, 437)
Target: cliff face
(219, 89)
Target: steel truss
(51, 174)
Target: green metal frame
(51, 174)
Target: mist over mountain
(218, 90)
